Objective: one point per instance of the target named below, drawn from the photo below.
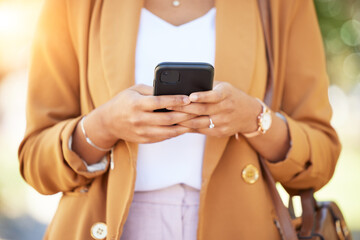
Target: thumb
(143, 89)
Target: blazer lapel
(118, 36)
(236, 42)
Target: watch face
(265, 121)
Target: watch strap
(260, 129)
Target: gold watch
(264, 120)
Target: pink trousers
(165, 214)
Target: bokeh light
(350, 33)
(352, 66)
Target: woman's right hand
(130, 116)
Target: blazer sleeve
(315, 149)
(47, 162)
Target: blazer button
(250, 174)
(99, 230)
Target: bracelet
(88, 139)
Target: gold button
(250, 174)
(99, 231)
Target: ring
(212, 125)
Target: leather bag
(319, 220)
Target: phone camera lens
(170, 77)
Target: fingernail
(194, 97)
(186, 100)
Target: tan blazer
(83, 55)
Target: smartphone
(182, 78)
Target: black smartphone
(182, 78)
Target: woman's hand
(129, 116)
(230, 109)
(233, 111)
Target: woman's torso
(176, 160)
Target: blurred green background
(24, 214)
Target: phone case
(184, 78)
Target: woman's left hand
(230, 109)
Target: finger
(143, 89)
(197, 123)
(216, 95)
(203, 125)
(165, 118)
(198, 108)
(150, 103)
(218, 130)
(208, 132)
(161, 133)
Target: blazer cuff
(74, 160)
(297, 157)
(93, 167)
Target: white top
(176, 160)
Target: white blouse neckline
(200, 19)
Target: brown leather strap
(287, 230)
(308, 206)
(308, 216)
(285, 225)
(265, 13)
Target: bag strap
(308, 205)
(286, 228)
(265, 14)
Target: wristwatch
(264, 121)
